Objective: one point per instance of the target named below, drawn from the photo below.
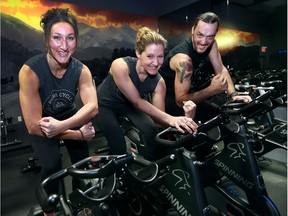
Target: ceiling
(161, 7)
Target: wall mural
(238, 49)
(227, 39)
(104, 36)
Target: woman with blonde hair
(124, 93)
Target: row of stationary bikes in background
(269, 128)
(213, 171)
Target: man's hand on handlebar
(244, 98)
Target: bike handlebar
(258, 106)
(186, 138)
(106, 170)
(49, 202)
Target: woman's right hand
(182, 122)
(88, 131)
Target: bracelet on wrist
(235, 93)
(82, 135)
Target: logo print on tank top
(58, 101)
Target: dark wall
(270, 25)
(274, 36)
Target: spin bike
(105, 183)
(229, 173)
(269, 133)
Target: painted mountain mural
(20, 41)
(98, 46)
(93, 43)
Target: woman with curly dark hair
(49, 83)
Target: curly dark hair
(56, 15)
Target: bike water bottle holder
(100, 190)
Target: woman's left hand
(189, 108)
(88, 131)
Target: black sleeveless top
(57, 95)
(200, 75)
(109, 95)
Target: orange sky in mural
(29, 11)
(228, 38)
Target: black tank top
(109, 95)
(57, 95)
(200, 75)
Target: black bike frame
(184, 185)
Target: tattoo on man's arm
(186, 70)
